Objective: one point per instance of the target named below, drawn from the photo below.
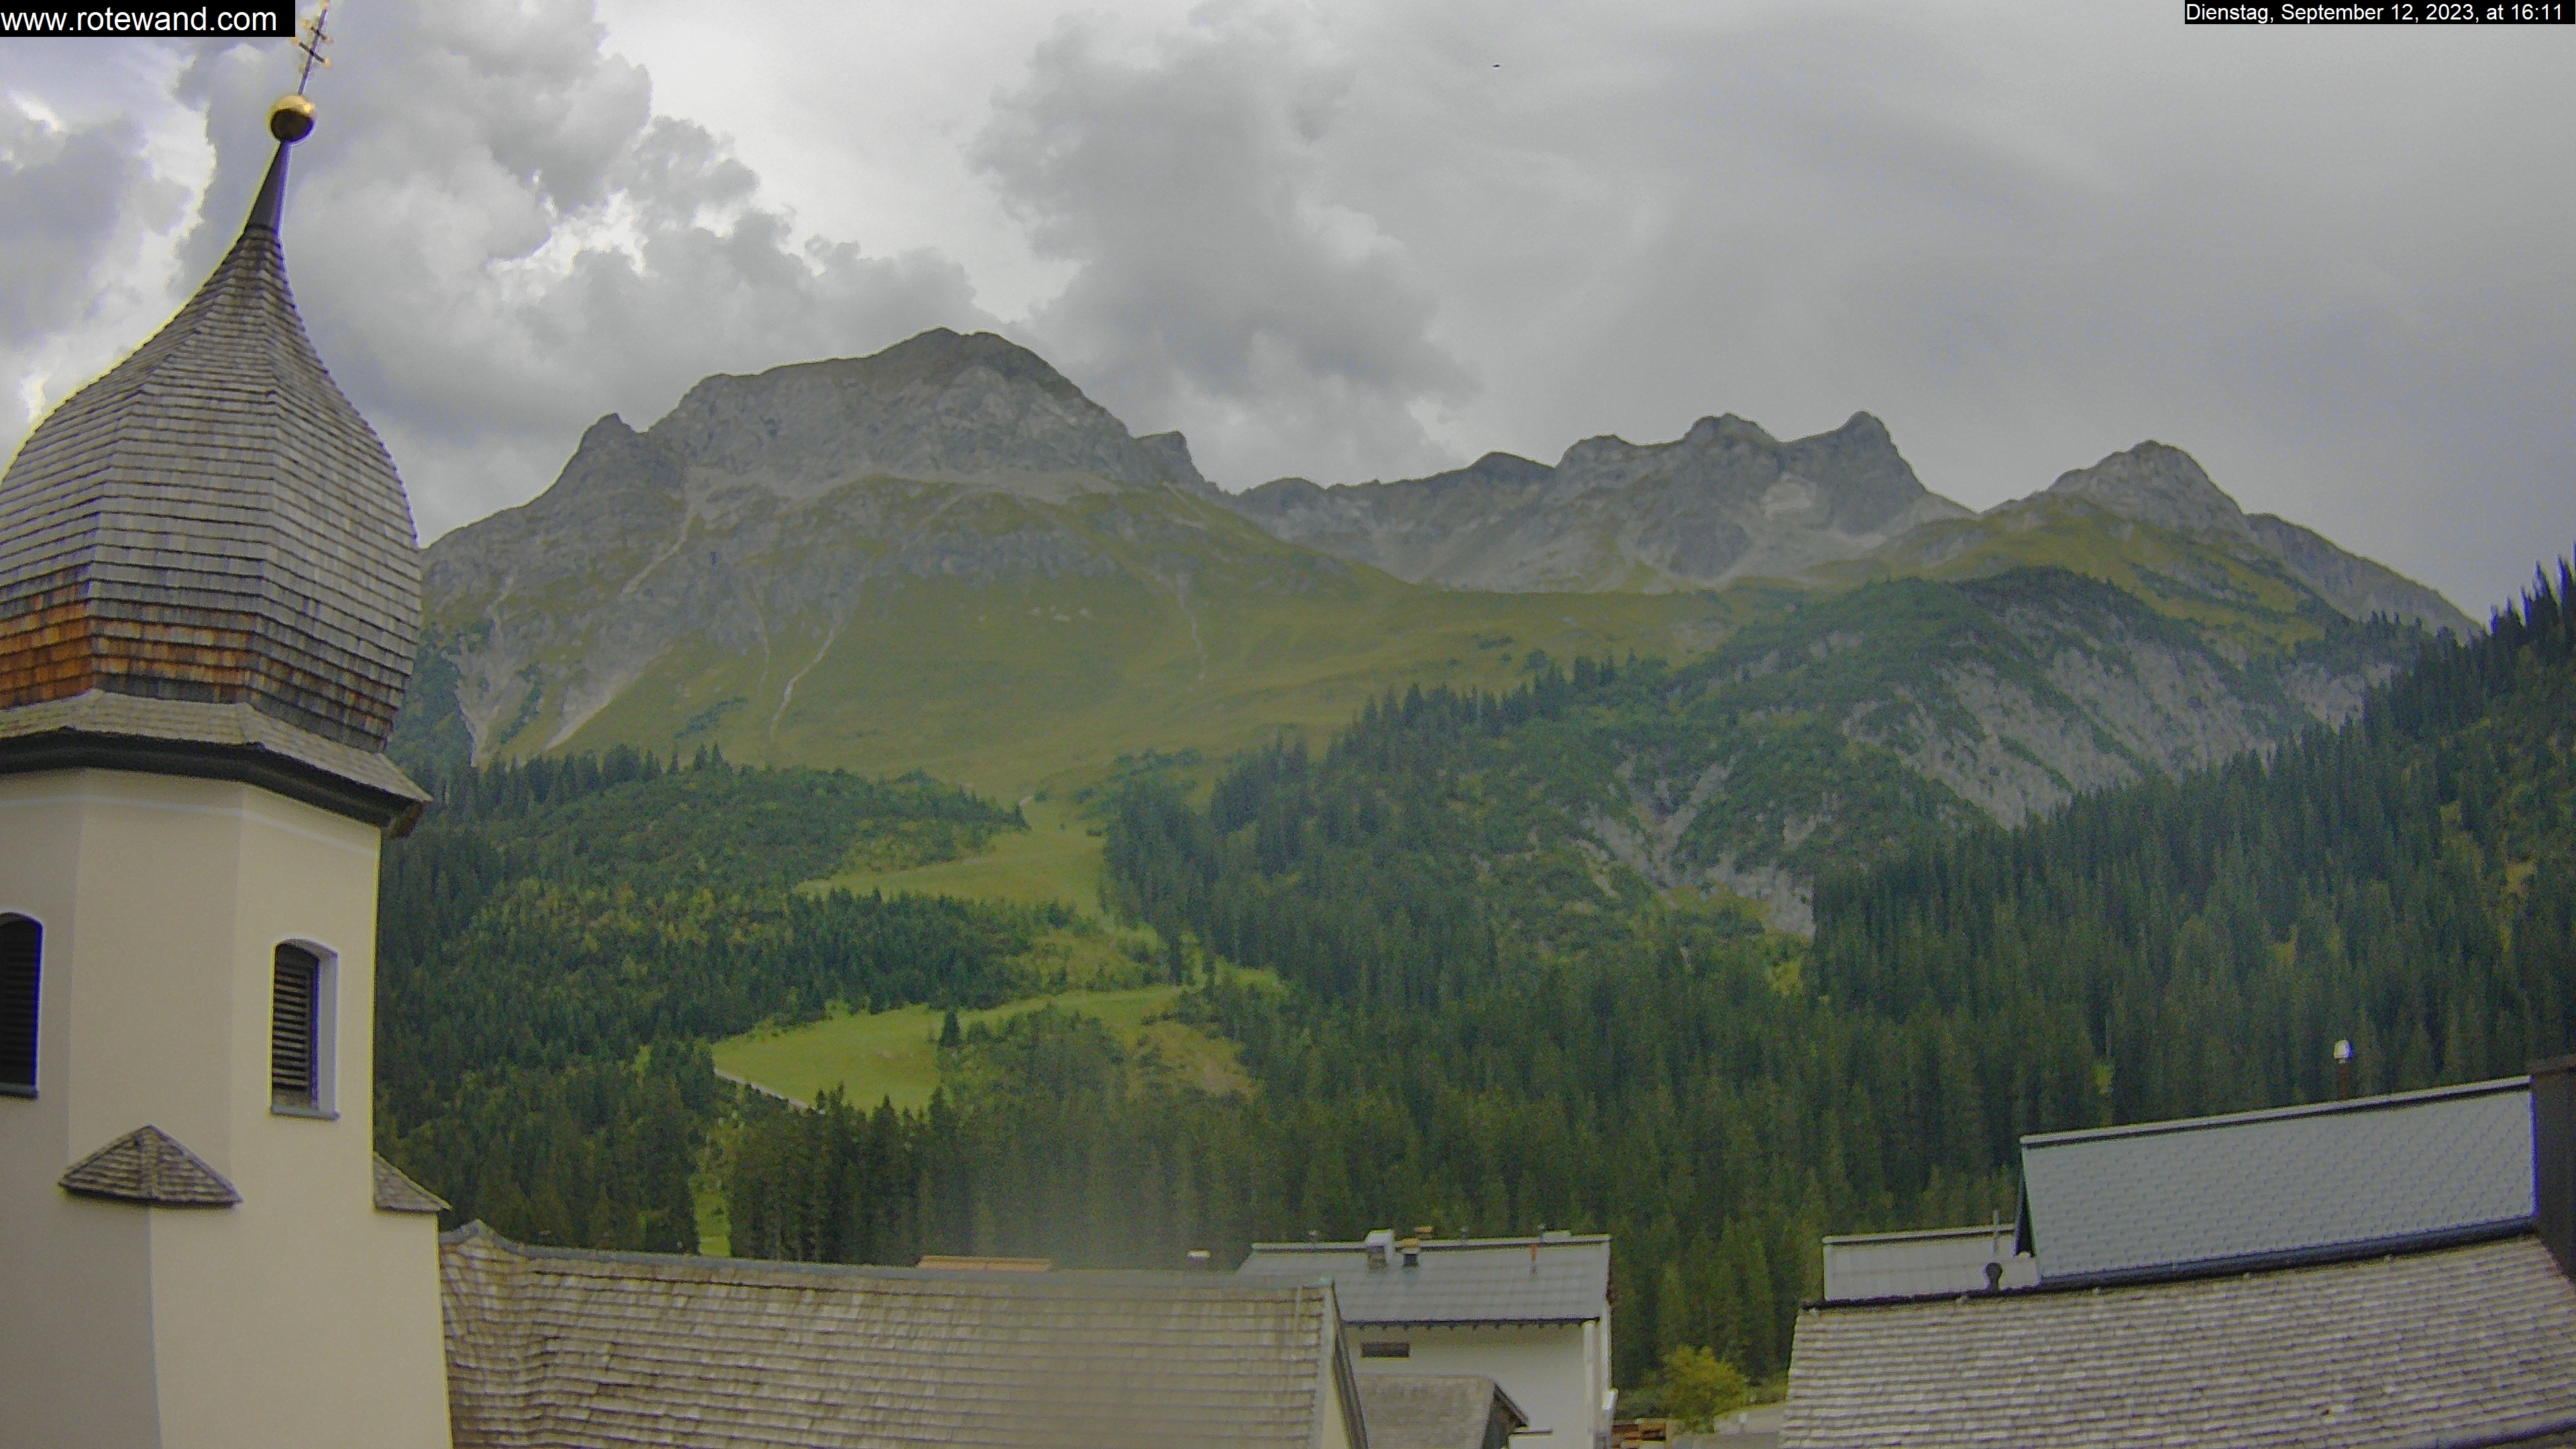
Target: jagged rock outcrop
(2165, 486)
(780, 498)
(1724, 501)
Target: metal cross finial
(311, 43)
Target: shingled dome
(213, 529)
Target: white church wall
(302, 1315)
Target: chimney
(2343, 1071)
(1197, 1260)
(1380, 1247)
(1411, 1249)
(2553, 1158)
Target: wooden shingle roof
(148, 1166)
(212, 523)
(2466, 1345)
(1438, 1411)
(397, 1193)
(571, 1349)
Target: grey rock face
(1724, 501)
(2163, 485)
(777, 496)
(938, 408)
(2356, 586)
(2158, 484)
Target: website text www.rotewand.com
(225, 20)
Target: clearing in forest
(882, 1055)
(1056, 859)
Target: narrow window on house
(295, 1032)
(22, 944)
(1386, 1350)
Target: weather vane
(291, 119)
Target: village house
(1532, 1314)
(2386, 1271)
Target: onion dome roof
(206, 555)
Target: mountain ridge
(1724, 501)
(757, 571)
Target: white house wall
(1547, 1369)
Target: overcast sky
(1355, 240)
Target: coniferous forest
(1461, 1014)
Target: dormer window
(22, 945)
(299, 1035)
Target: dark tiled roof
(2336, 1177)
(1470, 1280)
(1437, 1411)
(212, 521)
(396, 1193)
(2449, 1345)
(1905, 1265)
(147, 1165)
(563, 1349)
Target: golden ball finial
(291, 119)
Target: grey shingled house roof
(1438, 1411)
(1459, 1280)
(2450, 1346)
(210, 528)
(2382, 1173)
(567, 1349)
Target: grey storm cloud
(1218, 283)
(75, 200)
(495, 239)
(1366, 238)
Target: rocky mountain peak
(1708, 431)
(939, 407)
(1724, 500)
(2159, 484)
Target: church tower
(209, 596)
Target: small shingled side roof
(1438, 1411)
(1459, 1280)
(2381, 1173)
(397, 1193)
(569, 1350)
(148, 1166)
(2449, 1346)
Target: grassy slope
(1204, 633)
(2236, 595)
(1056, 859)
(891, 1054)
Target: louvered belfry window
(293, 1037)
(22, 944)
